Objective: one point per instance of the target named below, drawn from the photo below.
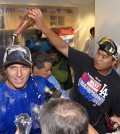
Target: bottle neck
(14, 35)
(13, 38)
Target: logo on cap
(17, 54)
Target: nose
(19, 72)
(49, 72)
(99, 57)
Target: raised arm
(39, 24)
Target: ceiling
(69, 3)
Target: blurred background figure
(38, 43)
(89, 47)
(61, 70)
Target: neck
(105, 72)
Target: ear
(31, 69)
(4, 69)
(114, 62)
(35, 68)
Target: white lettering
(14, 49)
(103, 91)
(98, 100)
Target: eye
(98, 53)
(25, 67)
(13, 67)
(104, 56)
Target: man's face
(54, 56)
(17, 76)
(44, 72)
(93, 34)
(103, 62)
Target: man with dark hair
(96, 83)
(20, 91)
(61, 70)
(42, 66)
(89, 47)
(61, 116)
(92, 31)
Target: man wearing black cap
(20, 92)
(96, 84)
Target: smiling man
(21, 91)
(96, 84)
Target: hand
(36, 15)
(116, 120)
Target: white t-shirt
(89, 47)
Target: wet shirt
(15, 102)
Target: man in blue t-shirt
(21, 91)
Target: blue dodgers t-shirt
(15, 102)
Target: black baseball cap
(17, 54)
(109, 46)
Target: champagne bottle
(25, 22)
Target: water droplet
(12, 100)
(6, 94)
(3, 109)
(39, 96)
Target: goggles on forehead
(108, 46)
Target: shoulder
(2, 84)
(75, 54)
(114, 77)
(75, 51)
(87, 40)
(53, 80)
(117, 76)
(3, 89)
(38, 78)
(42, 81)
(51, 77)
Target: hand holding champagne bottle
(24, 23)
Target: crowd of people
(21, 91)
(95, 100)
(94, 79)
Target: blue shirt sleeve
(56, 84)
(43, 82)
